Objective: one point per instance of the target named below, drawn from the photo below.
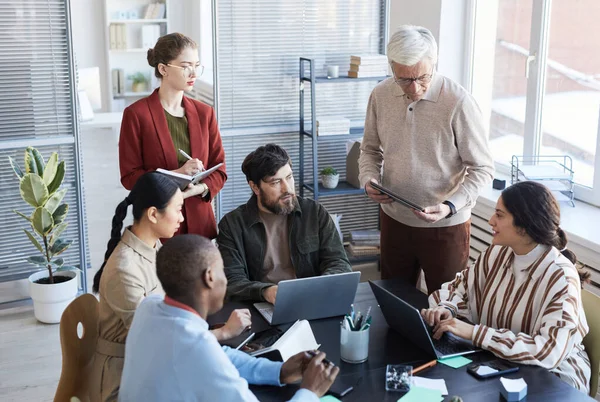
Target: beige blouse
(128, 277)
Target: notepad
(183, 180)
(430, 383)
(418, 394)
(455, 362)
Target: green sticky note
(418, 394)
(329, 398)
(455, 362)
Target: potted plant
(139, 82)
(330, 177)
(53, 288)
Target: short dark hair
(168, 48)
(535, 210)
(264, 161)
(182, 261)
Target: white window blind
(36, 108)
(259, 45)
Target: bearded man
(276, 235)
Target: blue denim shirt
(170, 355)
(315, 246)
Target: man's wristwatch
(452, 209)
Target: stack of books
(333, 126)
(364, 243)
(373, 65)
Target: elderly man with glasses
(426, 141)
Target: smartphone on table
(492, 369)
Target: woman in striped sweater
(523, 294)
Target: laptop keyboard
(449, 345)
(267, 313)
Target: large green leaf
(35, 241)
(69, 268)
(57, 232)
(50, 169)
(33, 190)
(39, 160)
(37, 260)
(60, 214)
(58, 177)
(59, 262)
(59, 246)
(16, 168)
(54, 200)
(30, 166)
(42, 221)
(22, 215)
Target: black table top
(386, 346)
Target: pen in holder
(354, 337)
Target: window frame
(536, 81)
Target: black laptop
(407, 320)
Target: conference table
(387, 346)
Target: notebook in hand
(183, 180)
(396, 197)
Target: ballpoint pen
(424, 366)
(181, 151)
(248, 339)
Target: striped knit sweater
(527, 313)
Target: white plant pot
(49, 301)
(330, 181)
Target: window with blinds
(36, 108)
(260, 42)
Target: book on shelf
(365, 243)
(184, 180)
(150, 35)
(376, 59)
(159, 11)
(375, 68)
(115, 81)
(360, 74)
(112, 36)
(121, 79)
(358, 251)
(365, 235)
(149, 11)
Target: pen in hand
(189, 158)
(313, 353)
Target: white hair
(410, 44)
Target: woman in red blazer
(147, 142)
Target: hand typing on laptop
(442, 321)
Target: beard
(279, 207)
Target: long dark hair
(536, 211)
(167, 49)
(150, 190)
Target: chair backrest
(591, 305)
(77, 352)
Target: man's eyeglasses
(198, 69)
(405, 82)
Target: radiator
(481, 238)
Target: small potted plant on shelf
(330, 177)
(53, 288)
(139, 82)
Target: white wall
(89, 41)
(447, 21)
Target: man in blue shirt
(171, 355)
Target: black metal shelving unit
(313, 185)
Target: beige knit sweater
(427, 151)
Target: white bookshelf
(131, 28)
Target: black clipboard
(396, 197)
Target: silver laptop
(311, 298)
(407, 320)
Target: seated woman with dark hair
(523, 293)
(128, 275)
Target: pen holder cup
(354, 345)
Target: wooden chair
(591, 306)
(77, 353)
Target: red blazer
(145, 144)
